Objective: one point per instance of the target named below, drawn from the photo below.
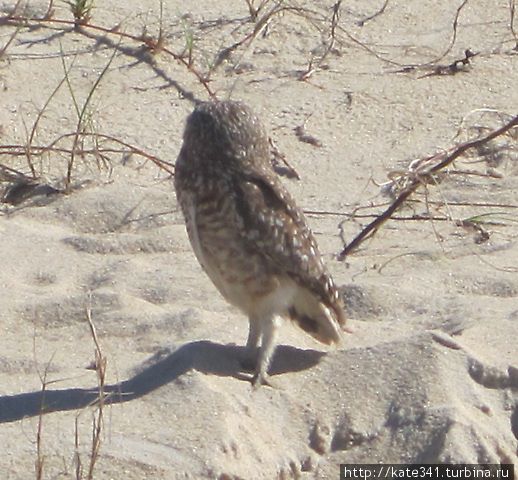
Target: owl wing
(277, 229)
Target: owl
(248, 234)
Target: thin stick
(512, 9)
(361, 23)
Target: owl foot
(260, 379)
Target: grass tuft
(82, 11)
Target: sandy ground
(431, 372)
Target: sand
(430, 373)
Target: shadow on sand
(160, 369)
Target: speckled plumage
(247, 232)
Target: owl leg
(249, 360)
(270, 326)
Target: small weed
(189, 46)
(81, 10)
(84, 120)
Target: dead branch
(431, 166)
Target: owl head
(224, 135)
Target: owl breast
(216, 232)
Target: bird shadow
(160, 369)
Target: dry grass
(82, 470)
(84, 466)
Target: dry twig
(512, 10)
(313, 65)
(277, 158)
(362, 22)
(422, 172)
(303, 136)
(454, 67)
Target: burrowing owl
(248, 234)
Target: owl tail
(318, 320)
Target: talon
(260, 379)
